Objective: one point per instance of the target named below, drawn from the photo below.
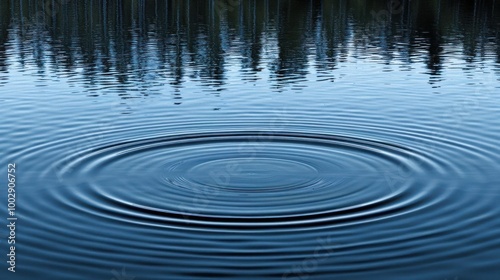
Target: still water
(251, 139)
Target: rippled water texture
(253, 140)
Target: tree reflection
(154, 42)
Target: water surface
(252, 139)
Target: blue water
(251, 139)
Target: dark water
(251, 139)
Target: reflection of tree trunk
(5, 18)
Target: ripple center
(253, 173)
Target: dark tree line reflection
(150, 42)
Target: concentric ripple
(245, 179)
(243, 197)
